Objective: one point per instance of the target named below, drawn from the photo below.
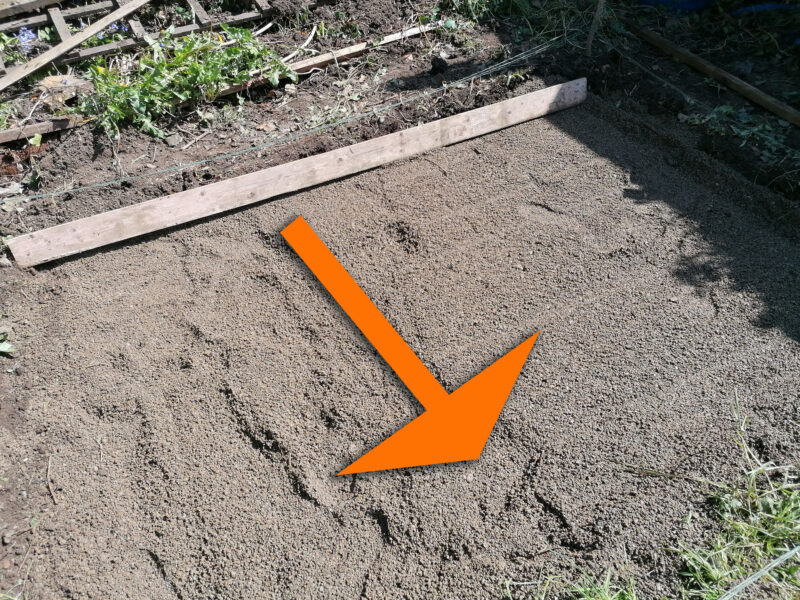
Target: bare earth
(198, 390)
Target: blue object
(768, 6)
(679, 5)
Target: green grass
(756, 130)
(7, 113)
(758, 519)
(10, 49)
(586, 588)
(174, 71)
(592, 589)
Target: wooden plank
(68, 14)
(200, 14)
(44, 59)
(86, 53)
(317, 62)
(59, 23)
(21, 133)
(303, 67)
(752, 93)
(154, 215)
(137, 29)
(408, 33)
(14, 7)
(263, 6)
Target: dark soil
(173, 422)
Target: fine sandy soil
(183, 402)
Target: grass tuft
(591, 589)
(759, 531)
(760, 522)
(587, 588)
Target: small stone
(270, 126)
(5, 565)
(290, 88)
(5, 263)
(173, 140)
(674, 299)
(6, 540)
(470, 477)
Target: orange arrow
(454, 427)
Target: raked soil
(193, 394)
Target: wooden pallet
(302, 67)
(60, 19)
(15, 7)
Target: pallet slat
(86, 53)
(59, 23)
(67, 13)
(33, 65)
(22, 133)
(154, 215)
(9, 8)
(137, 29)
(200, 14)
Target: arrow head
(455, 430)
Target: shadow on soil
(752, 237)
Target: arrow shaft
(363, 312)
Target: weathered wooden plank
(111, 47)
(263, 6)
(200, 14)
(67, 13)
(752, 93)
(59, 23)
(44, 59)
(183, 207)
(21, 133)
(137, 29)
(9, 8)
